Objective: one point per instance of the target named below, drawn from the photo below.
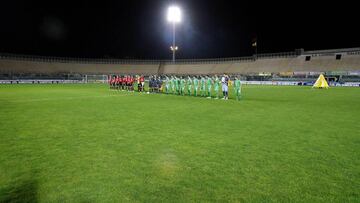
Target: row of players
(196, 85)
(126, 82)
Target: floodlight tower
(174, 16)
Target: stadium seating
(312, 61)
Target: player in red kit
(132, 81)
(113, 80)
(142, 82)
(118, 82)
(122, 83)
(128, 82)
(138, 83)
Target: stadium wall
(297, 64)
(17, 66)
(320, 61)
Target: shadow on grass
(25, 191)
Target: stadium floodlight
(174, 16)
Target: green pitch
(85, 143)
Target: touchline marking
(65, 98)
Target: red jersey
(138, 79)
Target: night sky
(138, 29)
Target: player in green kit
(237, 88)
(216, 86)
(196, 85)
(182, 86)
(167, 85)
(203, 86)
(209, 83)
(177, 85)
(189, 85)
(172, 81)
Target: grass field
(85, 143)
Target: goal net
(95, 78)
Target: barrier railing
(350, 51)
(136, 61)
(51, 59)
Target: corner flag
(321, 82)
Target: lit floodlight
(172, 48)
(174, 14)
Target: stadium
(341, 66)
(68, 135)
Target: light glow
(172, 48)
(174, 14)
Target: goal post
(95, 78)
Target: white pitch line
(64, 98)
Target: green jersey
(216, 86)
(202, 82)
(177, 82)
(189, 82)
(237, 88)
(216, 82)
(182, 83)
(237, 84)
(209, 82)
(196, 82)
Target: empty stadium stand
(300, 61)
